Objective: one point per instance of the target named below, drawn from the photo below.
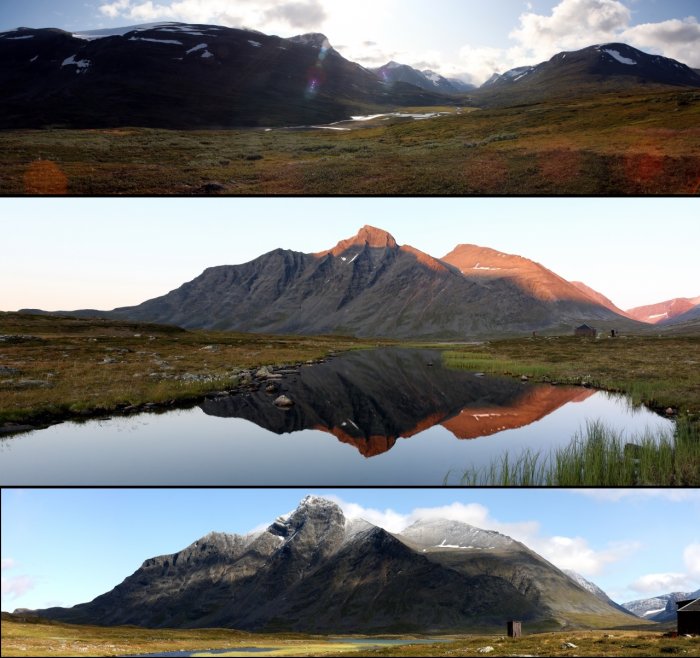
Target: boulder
(283, 402)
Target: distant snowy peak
(511, 75)
(601, 61)
(442, 533)
(393, 72)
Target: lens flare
(316, 75)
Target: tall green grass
(599, 456)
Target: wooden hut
(585, 330)
(514, 629)
(689, 617)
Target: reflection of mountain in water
(370, 398)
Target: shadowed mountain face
(176, 75)
(314, 571)
(368, 285)
(369, 399)
(600, 68)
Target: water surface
(380, 417)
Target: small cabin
(688, 617)
(514, 629)
(585, 330)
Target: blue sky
(467, 38)
(66, 546)
(65, 254)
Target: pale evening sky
(469, 39)
(66, 254)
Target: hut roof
(693, 606)
(584, 326)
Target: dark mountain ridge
(368, 285)
(602, 68)
(176, 75)
(314, 571)
(185, 76)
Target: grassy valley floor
(58, 368)
(57, 639)
(626, 143)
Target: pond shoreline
(251, 383)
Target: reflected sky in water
(188, 447)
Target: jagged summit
(367, 236)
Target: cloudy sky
(466, 38)
(66, 546)
(66, 254)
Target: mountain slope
(594, 589)
(601, 299)
(368, 285)
(659, 608)
(664, 311)
(314, 571)
(176, 75)
(600, 68)
(393, 72)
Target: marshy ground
(627, 143)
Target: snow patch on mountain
(168, 41)
(616, 55)
(80, 64)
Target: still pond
(381, 417)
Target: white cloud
(679, 39)
(16, 586)
(564, 552)
(661, 583)
(575, 24)
(271, 16)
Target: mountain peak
(367, 236)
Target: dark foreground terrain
(634, 142)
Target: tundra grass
(55, 368)
(46, 638)
(57, 639)
(660, 372)
(605, 144)
(602, 458)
